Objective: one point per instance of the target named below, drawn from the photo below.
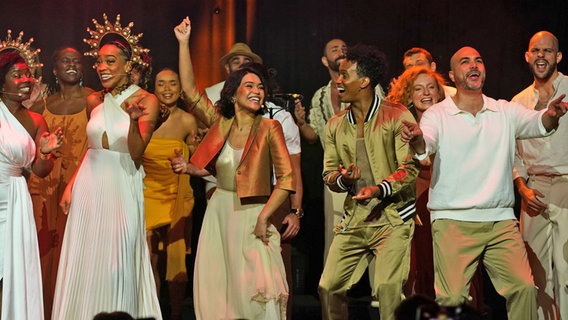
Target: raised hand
(49, 142)
(183, 30)
(135, 109)
(299, 112)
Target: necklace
(240, 129)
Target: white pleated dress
(20, 268)
(105, 264)
(236, 275)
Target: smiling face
(348, 82)
(334, 53)
(68, 67)
(543, 55)
(468, 69)
(18, 83)
(167, 87)
(425, 92)
(250, 94)
(112, 67)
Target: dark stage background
(290, 34)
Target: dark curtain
(290, 34)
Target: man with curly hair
(365, 157)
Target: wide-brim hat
(240, 49)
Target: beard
(549, 71)
(334, 64)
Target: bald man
(472, 138)
(541, 174)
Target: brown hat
(240, 49)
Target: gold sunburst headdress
(102, 30)
(24, 49)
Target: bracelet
(297, 212)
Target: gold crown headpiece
(23, 48)
(101, 30)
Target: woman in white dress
(104, 264)
(25, 144)
(239, 273)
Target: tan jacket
(393, 168)
(265, 147)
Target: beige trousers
(459, 246)
(349, 254)
(546, 236)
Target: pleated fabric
(104, 263)
(20, 268)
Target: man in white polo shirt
(471, 196)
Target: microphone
(19, 94)
(288, 96)
(116, 75)
(119, 74)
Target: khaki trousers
(349, 254)
(546, 236)
(333, 212)
(459, 246)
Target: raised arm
(187, 77)
(307, 132)
(197, 103)
(143, 111)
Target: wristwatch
(298, 212)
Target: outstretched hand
(365, 194)
(557, 108)
(411, 132)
